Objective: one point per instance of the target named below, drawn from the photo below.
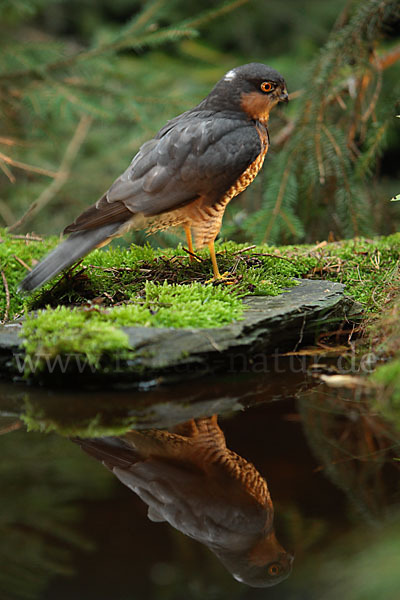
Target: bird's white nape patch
(230, 75)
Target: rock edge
(270, 325)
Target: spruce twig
(337, 135)
(61, 176)
(25, 167)
(124, 40)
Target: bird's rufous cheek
(258, 105)
(266, 550)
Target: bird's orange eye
(274, 569)
(266, 86)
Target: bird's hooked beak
(284, 96)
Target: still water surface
(272, 478)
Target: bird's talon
(226, 278)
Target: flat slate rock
(270, 325)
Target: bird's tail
(111, 451)
(77, 245)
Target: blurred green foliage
(359, 565)
(385, 344)
(84, 83)
(41, 480)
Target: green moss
(388, 375)
(368, 267)
(161, 288)
(95, 331)
(192, 305)
(117, 274)
(62, 331)
(94, 427)
(14, 251)
(384, 344)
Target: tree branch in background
(6, 213)
(61, 176)
(25, 167)
(331, 153)
(147, 36)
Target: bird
(191, 480)
(185, 176)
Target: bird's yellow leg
(217, 274)
(189, 242)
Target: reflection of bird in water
(194, 482)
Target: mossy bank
(115, 275)
(83, 310)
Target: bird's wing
(192, 503)
(197, 155)
(202, 507)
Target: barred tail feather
(77, 245)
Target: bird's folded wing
(193, 156)
(191, 502)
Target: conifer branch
(7, 172)
(279, 199)
(140, 21)
(25, 167)
(220, 11)
(125, 40)
(375, 96)
(347, 187)
(61, 176)
(323, 161)
(388, 59)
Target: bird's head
(253, 89)
(265, 565)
